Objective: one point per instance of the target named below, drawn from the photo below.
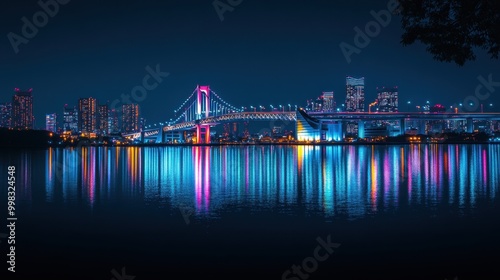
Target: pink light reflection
(197, 177)
(207, 178)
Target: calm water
(398, 212)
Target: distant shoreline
(306, 144)
(248, 145)
(40, 139)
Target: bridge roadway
(242, 116)
(323, 117)
(404, 115)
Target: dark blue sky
(264, 52)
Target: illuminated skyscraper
(130, 118)
(6, 114)
(87, 115)
(103, 119)
(70, 122)
(387, 99)
(329, 104)
(355, 98)
(22, 109)
(113, 122)
(51, 122)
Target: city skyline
(89, 116)
(335, 97)
(320, 122)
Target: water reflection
(335, 180)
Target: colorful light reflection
(329, 180)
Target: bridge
(204, 109)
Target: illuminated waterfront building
(103, 119)
(6, 114)
(22, 109)
(51, 122)
(328, 101)
(355, 98)
(113, 122)
(70, 119)
(387, 99)
(130, 118)
(87, 115)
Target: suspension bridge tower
(203, 111)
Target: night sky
(263, 52)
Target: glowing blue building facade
(312, 129)
(308, 128)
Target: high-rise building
(22, 109)
(103, 120)
(51, 122)
(70, 122)
(329, 104)
(387, 99)
(113, 123)
(355, 98)
(87, 115)
(6, 114)
(130, 118)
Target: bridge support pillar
(422, 127)
(402, 127)
(161, 137)
(322, 131)
(361, 129)
(207, 134)
(202, 134)
(470, 125)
